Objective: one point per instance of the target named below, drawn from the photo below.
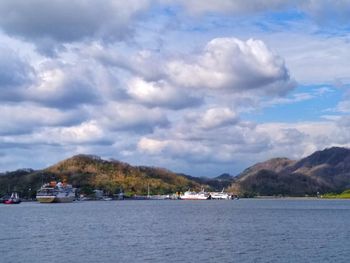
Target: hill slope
(322, 171)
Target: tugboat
(14, 199)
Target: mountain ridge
(323, 171)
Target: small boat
(14, 199)
(190, 195)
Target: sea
(245, 230)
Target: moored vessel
(190, 195)
(13, 199)
(220, 195)
(56, 193)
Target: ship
(220, 195)
(56, 193)
(190, 195)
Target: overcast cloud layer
(194, 86)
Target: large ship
(56, 193)
(190, 195)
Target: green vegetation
(343, 195)
(91, 172)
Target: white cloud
(160, 94)
(234, 65)
(217, 117)
(64, 86)
(300, 139)
(313, 57)
(84, 133)
(151, 145)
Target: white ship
(220, 195)
(189, 195)
(56, 193)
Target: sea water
(245, 230)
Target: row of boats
(64, 193)
(49, 193)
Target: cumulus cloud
(50, 22)
(160, 94)
(86, 132)
(213, 118)
(64, 86)
(234, 65)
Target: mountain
(224, 177)
(323, 171)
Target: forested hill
(321, 172)
(89, 172)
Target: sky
(200, 87)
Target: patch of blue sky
(306, 103)
(277, 21)
(334, 31)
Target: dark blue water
(177, 231)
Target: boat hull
(220, 197)
(11, 202)
(194, 198)
(45, 199)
